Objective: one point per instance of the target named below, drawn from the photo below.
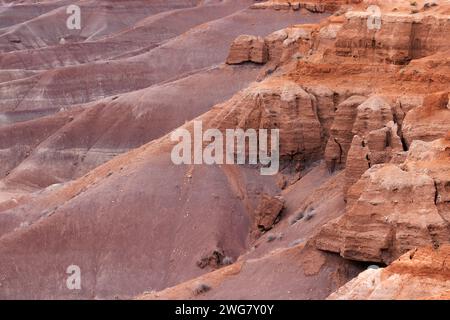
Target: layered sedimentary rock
(66, 154)
(268, 211)
(301, 273)
(248, 48)
(416, 36)
(393, 209)
(197, 49)
(375, 138)
(363, 134)
(276, 104)
(45, 150)
(422, 273)
(148, 33)
(364, 170)
(310, 5)
(284, 44)
(100, 19)
(428, 121)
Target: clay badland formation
(360, 208)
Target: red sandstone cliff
(86, 175)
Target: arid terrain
(358, 89)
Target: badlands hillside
(360, 206)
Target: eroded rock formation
(394, 208)
(421, 273)
(248, 48)
(87, 178)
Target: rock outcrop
(422, 273)
(276, 104)
(248, 48)
(315, 6)
(363, 134)
(268, 212)
(341, 133)
(87, 177)
(393, 209)
(400, 38)
(429, 121)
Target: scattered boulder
(268, 211)
(373, 114)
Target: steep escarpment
(87, 177)
(311, 5)
(416, 36)
(393, 208)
